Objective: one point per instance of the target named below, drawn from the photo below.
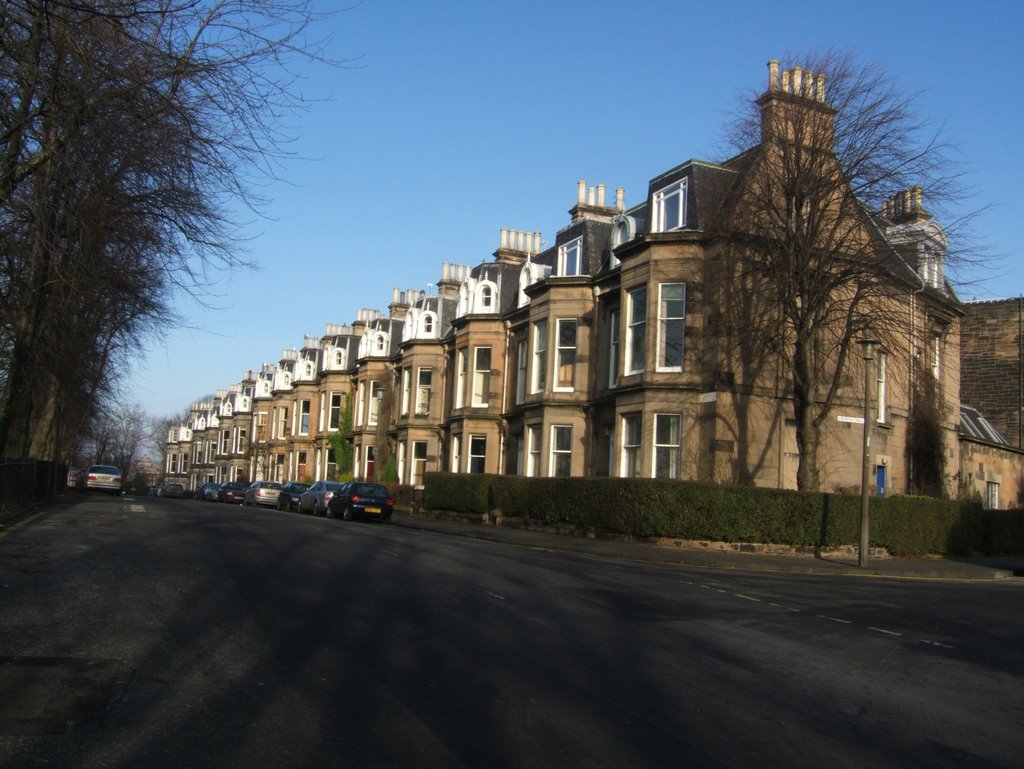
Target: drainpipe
(504, 402)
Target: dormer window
(427, 324)
(484, 297)
(930, 267)
(570, 257)
(380, 343)
(670, 207)
(309, 369)
(339, 358)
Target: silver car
(316, 498)
(262, 493)
(101, 478)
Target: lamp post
(868, 346)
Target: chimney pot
(581, 194)
(620, 198)
(798, 81)
(773, 75)
(600, 195)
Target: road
(144, 632)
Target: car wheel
(346, 513)
(329, 511)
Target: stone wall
(990, 363)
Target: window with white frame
(570, 256)
(540, 356)
(461, 362)
(369, 462)
(424, 379)
(334, 420)
(427, 324)
(533, 460)
(419, 462)
(481, 376)
(881, 390)
(406, 389)
(561, 451)
(671, 326)
(613, 348)
(565, 354)
(670, 207)
(930, 267)
(331, 463)
(636, 330)
(666, 445)
(360, 404)
(477, 453)
(304, 407)
(283, 426)
(456, 453)
(376, 394)
(631, 433)
(936, 355)
(992, 495)
(522, 352)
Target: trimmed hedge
(644, 508)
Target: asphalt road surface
(151, 633)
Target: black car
(232, 492)
(288, 499)
(369, 501)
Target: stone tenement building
(644, 342)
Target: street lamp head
(869, 347)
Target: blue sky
(459, 118)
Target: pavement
(960, 569)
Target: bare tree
(126, 129)
(809, 268)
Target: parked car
(74, 475)
(208, 491)
(316, 498)
(175, 490)
(232, 492)
(262, 493)
(369, 501)
(289, 495)
(101, 478)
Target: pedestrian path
(993, 568)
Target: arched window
(485, 297)
(427, 324)
(339, 358)
(381, 342)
